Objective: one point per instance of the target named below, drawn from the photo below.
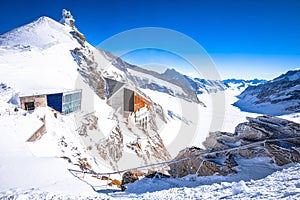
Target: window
(71, 102)
(29, 105)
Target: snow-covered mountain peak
(43, 20)
(34, 53)
(175, 75)
(170, 71)
(41, 33)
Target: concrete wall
(127, 101)
(38, 100)
(117, 101)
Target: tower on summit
(67, 18)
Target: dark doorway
(29, 105)
(128, 100)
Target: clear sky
(245, 38)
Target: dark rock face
(111, 148)
(264, 136)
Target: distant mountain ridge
(148, 79)
(195, 85)
(276, 97)
(241, 83)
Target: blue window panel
(55, 101)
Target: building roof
(45, 92)
(113, 86)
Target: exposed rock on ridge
(264, 136)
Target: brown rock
(130, 177)
(105, 178)
(191, 161)
(249, 153)
(115, 182)
(250, 132)
(153, 174)
(281, 155)
(212, 142)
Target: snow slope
(40, 164)
(284, 184)
(38, 54)
(36, 59)
(45, 181)
(20, 168)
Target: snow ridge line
(187, 158)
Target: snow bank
(281, 184)
(19, 168)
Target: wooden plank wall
(140, 102)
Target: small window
(29, 105)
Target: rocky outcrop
(134, 175)
(89, 122)
(68, 19)
(111, 148)
(88, 69)
(284, 155)
(264, 136)
(130, 177)
(193, 161)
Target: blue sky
(246, 39)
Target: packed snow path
(284, 184)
